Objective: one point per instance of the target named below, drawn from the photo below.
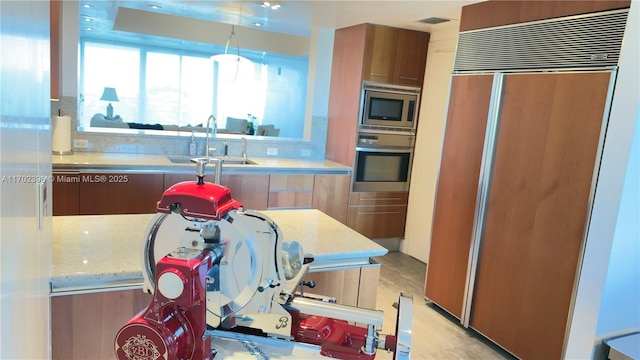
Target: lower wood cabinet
(353, 286)
(378, 215)
(66, 192)
(84, 326)
(119, 193)
(291, 191)
(251, 190)
(89, 193)
(331, 195)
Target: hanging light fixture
(229, 64)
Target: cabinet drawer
(291, 183)
(379, 198)
(378, 222)
(291, 199)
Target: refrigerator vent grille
(592, 40)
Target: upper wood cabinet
(380, 53)
(500, 12)
(411, 58)
(54, 27)
(396, 56)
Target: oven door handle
(386, 150)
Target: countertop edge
(65, 285)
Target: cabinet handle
(377, 212)
(408, 78)
(378, 74)
(381, 199)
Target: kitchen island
(97, 272)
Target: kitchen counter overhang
(104, 252)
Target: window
(177, 88)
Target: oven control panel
(385, 140)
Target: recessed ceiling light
(270, 4)
(88, 29)
(88, 19)
(155, 7)
(257, 24)
(87, 6)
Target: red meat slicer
(224, 286)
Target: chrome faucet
(207, 149)
(244, 147)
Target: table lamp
(109, 94)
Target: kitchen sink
(178, 159)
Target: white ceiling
(293, 18)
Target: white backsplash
(179, 145)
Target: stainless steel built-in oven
(392, 107)
(383, 161)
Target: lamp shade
(109, 94)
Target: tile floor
(435, 334)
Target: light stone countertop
(161, 163)
(94, 253)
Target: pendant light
(229, 64)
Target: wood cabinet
(119, 193)
(368, 52)
(84, 326)
(290, 191)
(331, 195)
(380, 53)
(505, 12)
(355, 286)
(378, 215)
(411, 58)
(66, 193)
(251, 190)
(55, 27)
(396, 56)
(88, 193)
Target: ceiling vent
(433, 20)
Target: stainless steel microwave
(389, 106)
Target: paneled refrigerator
(526, 123)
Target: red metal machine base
(337, 338)
(173, 325)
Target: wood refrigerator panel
(538, 202)
(457, 189)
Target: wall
(592, 298)
(426, 161)
(620, 308)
